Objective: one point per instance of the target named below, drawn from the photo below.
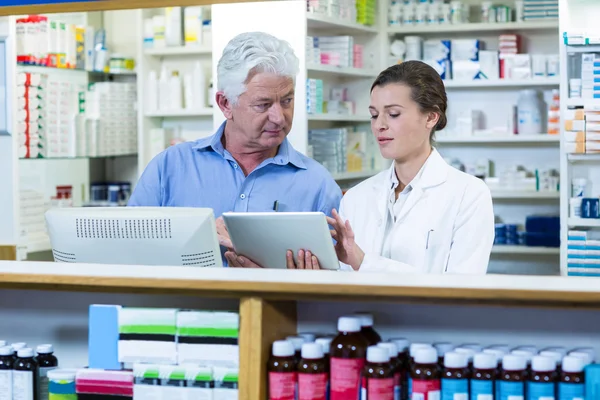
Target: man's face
(264, 112)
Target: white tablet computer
(265, 237)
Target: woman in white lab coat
(421, 215)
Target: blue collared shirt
(204, 174)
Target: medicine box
(572, 136)
(575, 148)
(574, 125)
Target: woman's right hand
(346, 248)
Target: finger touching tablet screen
(265, 237)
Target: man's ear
(224, 104)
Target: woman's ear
(432, 119)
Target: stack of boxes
(339, 51)
(339, 104)
(62, 106)
(590, 75)
(314, 96)
(465, 59)
(582, 130)
(360, 11)
(365, 12)
(31, 96)
(535, 10)
(343, 149)
(111, 123)
(32, 207)
(437, 53)
(583, 253)
(165, 353)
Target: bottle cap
(376, 354)
(555, 355)
(349, 324)
(585, 356)
(325, 343)
(45, 349)
(416, 346)
(283, 348)
(6, 351)
(485, 361)
(513, 362)
(526, 354)
(62, 374)
(426, 355)
(2, 343)
(470, 353)
(366, 319)
(308, 337)
(543, 364)
(473, 346)
(497, 353)
(297, 341)
(573, 364)
(443, 348)
(25, 352)
(563, 351)
(587, 350)
(312, 351)
(401, 343)
(19, 345)
(390, 347)
(530, 348)
(504, 347)
(455, 360)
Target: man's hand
(223, 234)
(236, 261)
(306, 260)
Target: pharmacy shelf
(579, 102)
(507, 249)
(499, 139)
(179, 51)
(339, 117)
(80, 158)
(474, 27)
(590, 157)
(344, 71)
(43, 69)
(583, 49)
(347, 176)
(514, 195)
(41, 244)
(584, 222)
(341, 27)
(502, 83)
(203, 112)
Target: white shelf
(508, 249)
(474, 27)
(179, 51)
(347, 71)
(317, 21)
(509, 195)
(334, 117)
(521, 139)
(588, 157)
(579, 102)
(204, 112)
(584, 222)
(346, 176)
(501, 83)
(594, 48)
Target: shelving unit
(343, 71)
(530, 250)
(502, 140)
(474, 27)
(515, 195)
(179, 51)
(343, 118)
(502, 83)
(574, 222)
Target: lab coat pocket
(431, 249)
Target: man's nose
(276, 114)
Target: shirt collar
(394, 182)
(286, 154)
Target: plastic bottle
(16, 347)
(588, 350)
(152, 96)
(587, 359)
(556, 356)
(442, 349)
(312, 373)
(571, 384)
(377, 375)
(297, 341)
(282, 371)
(366, 323)
(498, 354)
(164, 91)
(46, 362)
(392, 350)
(414, 347)
(529, 112)
(308, 337)
(511, 385)
(526, 354)
(504, 347)
(25, 376)
(563, 351)
(425, 374)
(325, 343)
(483, 378)
(176, 88)
(470, 353)
(199, 87)
(473, 346)
(6, 374)
(403, 344)
(455, 377)
(348, 352)
(542, 381)
(530, 348)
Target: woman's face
(399, 126)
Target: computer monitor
(135, 235)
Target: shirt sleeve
(330, 198)
(148, 191)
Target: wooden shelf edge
(8, 252)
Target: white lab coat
(446, 224)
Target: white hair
(252, 52)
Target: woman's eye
(374, 116)
(394, 115)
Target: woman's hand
(306, 260)
(346, 248)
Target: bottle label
(6, 382)
(377, 389)
(397, 385)
(282, 385)
(43, 382)
(345, 377)
(482, 390)
(511, 390)
(23, 385)
(312, 386)
(540, 391)
(426, 390)
(455, 389)
(571, 391)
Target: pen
(276, 206)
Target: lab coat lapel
(382, 193)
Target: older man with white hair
(248, 164)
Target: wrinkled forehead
(269, 86)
